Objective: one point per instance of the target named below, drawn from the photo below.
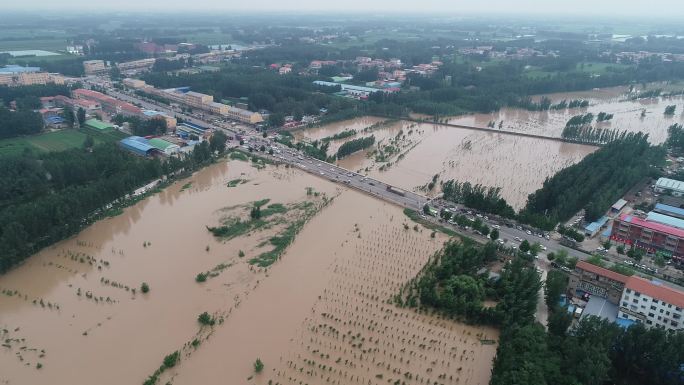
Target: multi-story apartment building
(649, 235)
(109, 104)
(245, 116)
(597, 281)
(136, 64)
(92, 67)
(638, 299)
(196, 99)
(652, 303)
(13, 75)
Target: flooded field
(627, 114)
(74, 313)
(518, 165)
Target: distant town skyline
(608, 8)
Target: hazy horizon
(666, 9)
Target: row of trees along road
(37, 210)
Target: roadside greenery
(478, 197)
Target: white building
(666, 185)
(652, 303)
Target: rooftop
(601, 308)
(161, 143)
(586, 266)
(657, 290)
(100, 125)
(669, 209)
(670, 184)
(136, 143)
(652, 225)
(595, 226)
(665, 219)
(15, 69)
(619, 205)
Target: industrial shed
(162, 145)
(137, 145)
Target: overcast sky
(667, 8)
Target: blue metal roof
(54, 119)
(192, 125)
(669, 209)
(595, 226)
(665, 219)
(136, 144)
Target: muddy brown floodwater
(519, 165)
(321, 314)
(616, 100)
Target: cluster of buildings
(14, 76)
(107, 103)
(660, 231)
(638, 56)
(196, 100)
(282, 69)
(352, 91)
(391, 73)
(627, 299)
(514, 53)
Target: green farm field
(57, 140)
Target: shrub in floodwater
(201, 277)
(241, 254)
(258, 365)
(144, 287)
(206, 319)
(207, 248)
(172, 359)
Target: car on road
(529, 232)
(496, 227)
(518, 239)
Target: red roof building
(652, 303)
(596, 280)
(649, 235)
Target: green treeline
(45, 198)
(478, 197)
(594, 183)
(675, 138)
(340, 135)
(354, 145)
(17, 123)
(578, 128)
(546, 104)
(594, 135)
